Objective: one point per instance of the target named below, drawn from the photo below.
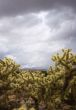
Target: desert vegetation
(54, 89)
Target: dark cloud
(13, 7)
(62, 24)
(32, 30)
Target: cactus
(55, 88)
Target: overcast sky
(33, 30)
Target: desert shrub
(55, 88)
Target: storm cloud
(13, 7)
(33, 30)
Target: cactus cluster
(54, 89)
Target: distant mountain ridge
(33, 69)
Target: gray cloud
(31, 39)
(62, 24)
(31, 31)
(14, 7)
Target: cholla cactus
(8, 76)
(65, 63)
(48, 89)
